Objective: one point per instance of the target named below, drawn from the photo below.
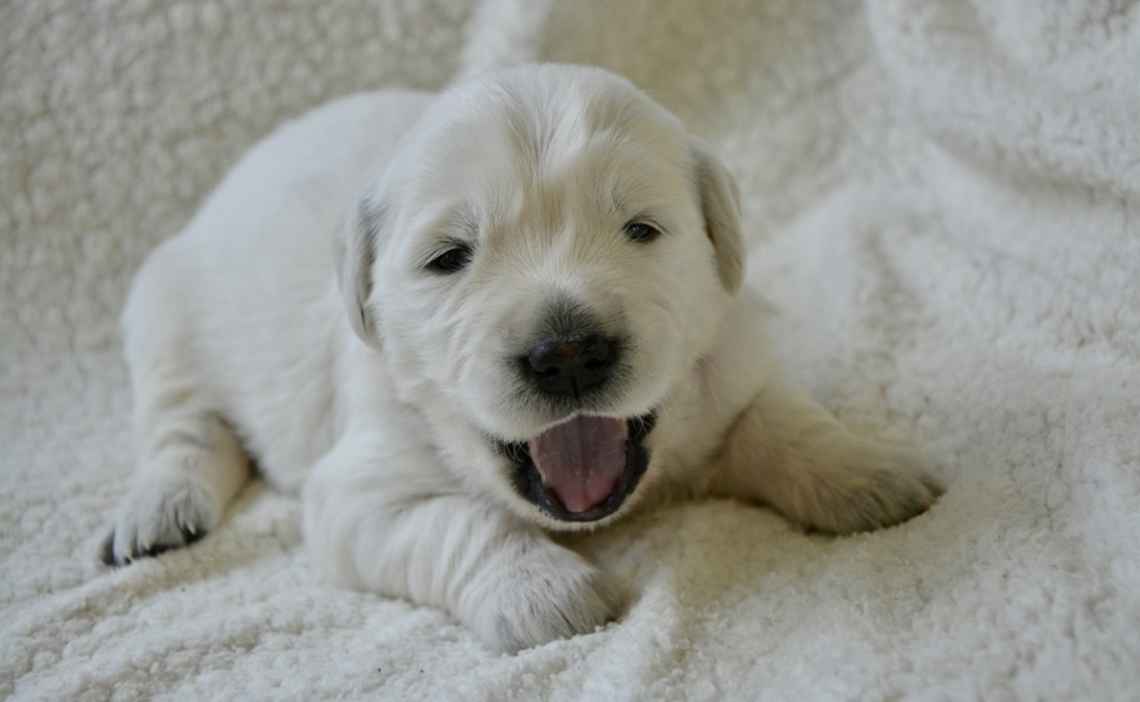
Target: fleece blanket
(943, 203)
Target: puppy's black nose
(571, 366)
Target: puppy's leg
(190, 463)
(790, 453)
(190, 466)
(393, 532)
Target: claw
(157, 550)
(190, 534)
(107, 550)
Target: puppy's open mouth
(584, 468)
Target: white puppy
(529, 318)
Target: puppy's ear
(355, 253)
(720, 202)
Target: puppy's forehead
(533, 139)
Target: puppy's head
(542, 264)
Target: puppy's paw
(540, 595)
(867, 486)
(162, 512)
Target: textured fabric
(942, 201)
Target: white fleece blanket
(944, 202)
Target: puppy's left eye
(451, 261)
(641, 232)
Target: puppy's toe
(544, 599)
(162, 514)
(934, 485)
(848, 485)
(879, 486)
(107, 549)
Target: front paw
(162, 512)
(536, 595)
(869, 486)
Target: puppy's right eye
(641, 232)
(450, 261)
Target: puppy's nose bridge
(569, 320)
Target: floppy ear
(355, 253)
(720, 202)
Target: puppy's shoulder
(741, 360)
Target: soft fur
(292, 322)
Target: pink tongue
(581, 460)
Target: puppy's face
(543, 263)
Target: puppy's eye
(641, 232)
(450, 261)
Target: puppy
(530, 319)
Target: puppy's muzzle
(572, 356)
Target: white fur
(293, 312)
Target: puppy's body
(243, 307)
(358, 369)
